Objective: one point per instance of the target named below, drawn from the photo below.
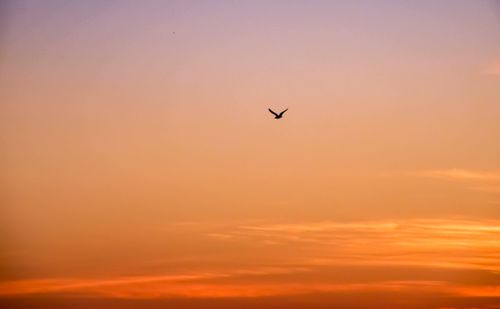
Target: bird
(277, 116)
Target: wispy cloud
(493, 69)
(314, 257)
(405, 242)
(489, 189)
(480, 181)
(460, 174)
(175, 285)
(158, 287)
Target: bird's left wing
(272, 112)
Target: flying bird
(277, 116)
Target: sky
(139, 166)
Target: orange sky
(139, 163)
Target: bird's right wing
(272, 112)
(281, 114)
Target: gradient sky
(139, 163)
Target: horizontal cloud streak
(416, 242)
(435, 256)
(486, 182)
(494, 69)
(461, 174)
(158, 287)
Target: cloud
(310, 257)
(460, 174)
(158, 288)
(494, 69)
(479, 181)
(424, 242)
(138, 286)
(489, 189)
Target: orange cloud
(489, 189)
(161, 287)
(461, 174)
(306, 253)
(158, 288)
(494, 69)
(424, 242)
(479, 181)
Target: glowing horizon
(140, 164)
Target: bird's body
(277, 116)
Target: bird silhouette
(277, 116)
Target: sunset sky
(140, 168)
